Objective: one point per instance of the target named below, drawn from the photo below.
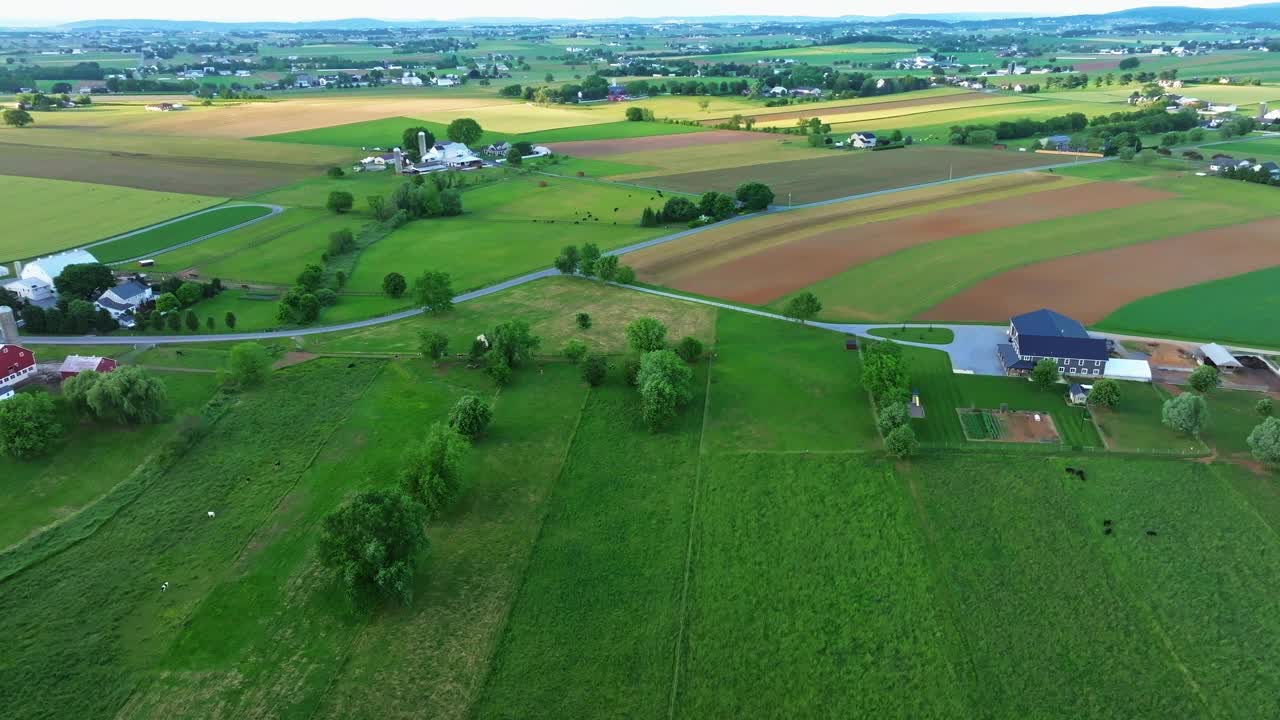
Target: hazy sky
(295, 10)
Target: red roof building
(76, 364)
(16, 363)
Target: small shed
(76, 364)
(851, 342)
(1077, 394)
(1219, 357)
(1125, 369)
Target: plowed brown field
(784, 267)
(1091, 285)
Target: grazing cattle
(1151, 533)
(178, 352)
(164, 587)
(1071, 471)
(1106, 523)
(1106, 530)
(350, 365)
(1080, 474)
(212, 514)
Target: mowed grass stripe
(812, 597)
(177, 233)
(908, 282)
(594, 626)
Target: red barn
(76, 364)
(16, 363)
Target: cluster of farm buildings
(442, 156)
(18, 364)
(36, 285)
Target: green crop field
(1263, 149)
(71, 214)
(175, 233)
(386, 133)
(838, 174)
(514, 226)
(908, 282)
(1240, 309)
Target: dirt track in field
(1090, 286)
(857, 107)
(764, 276)
(601, 148)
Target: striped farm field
(891, 109)
(838, 174)
(66, 214)
(181, 231)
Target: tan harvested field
(837, 174)
(763, 276)
(177, 146)
(269, 118)
(194, 174)
(822, 109)
(601, 148)
(1090, 286)
(717, 157)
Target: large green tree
(409, 141)
(433, 344)
(434, 290)
(17, 118)
(431, 472)
(1188, 413)
(1105, 393)
(901, 442)
(128, 395)
(370, 545)
(803, 306)
(646, 334)
(394, 284)
(249, 364)
(85, 281)
(1204, 378)
(1264, 441)
(754, 196)
(28, 425)
(665, 383)
(470, 416)
(465, 131)
(1045, 373)
(512, 343)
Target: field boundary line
(688, 553)
(501, 631)
(274, 210)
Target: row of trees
(884, 375)
(589, 262)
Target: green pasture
(618, 599)
(811, 594)
(62, 214)
(911, 281)
(314, 191)
(1261, 148)
(1240, 309)
(1135, 424)
(589, 167)
(549, 305)
(514, 226)
(50, 488)
(184, 230)
(1232, 416)
(386, 133)
(273, 251)
(816, 404)
(942, 392)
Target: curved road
(526, 278)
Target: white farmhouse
(122, 300)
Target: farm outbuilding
(76, 364)
(1124, 369)
(1219, 357)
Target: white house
(778, 91)
(444, 82)
(411, 80)
(123, 299)
(453, 154)
(863, 140)
(47, 269)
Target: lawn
(917, 333)
(815, 403)
(942, 392)
(606, 571)
(75, 213)
(514, 226)
(837, 174)
(811, 595)
(908, 282)
(549, 305)
(1135, 424)
(1232, 416)
(1239, 309)
(181, 231)
(1263, 149)
(88, 461)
